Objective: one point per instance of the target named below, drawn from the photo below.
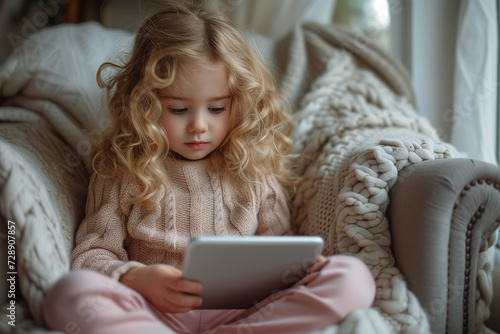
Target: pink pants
(90, 303)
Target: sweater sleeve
(100, 239)
(274, 213)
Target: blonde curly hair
(257, 143)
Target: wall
(424, 38)
(433, 59)
(129, 14)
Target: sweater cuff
(122, 269)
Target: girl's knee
(356, 280)
(76, 282)
(60, 299)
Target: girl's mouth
(197, 145)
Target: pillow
(53, 77)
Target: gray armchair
(443, 216)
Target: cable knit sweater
(115, 237)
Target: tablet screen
(238, 272)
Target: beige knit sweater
(115, 237)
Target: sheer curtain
(274, 19)
(475, 110)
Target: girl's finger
(167, 306)
(181, 300)
(184, 285)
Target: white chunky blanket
(356, 128)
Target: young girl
(199, 146)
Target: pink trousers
(87, 302)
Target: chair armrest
(443, 216)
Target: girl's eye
(216, 110)
(177, 110)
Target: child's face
(196, 110)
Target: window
(371, 17)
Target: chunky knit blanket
(356, 128)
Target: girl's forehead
(194, 67)
(199, 80)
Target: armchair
(443, 216)
(368, 162)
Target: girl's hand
(164, 287)
(320, 258)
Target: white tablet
(238, 272)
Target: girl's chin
(192, 156)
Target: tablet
(238, 272)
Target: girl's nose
(198, 123)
